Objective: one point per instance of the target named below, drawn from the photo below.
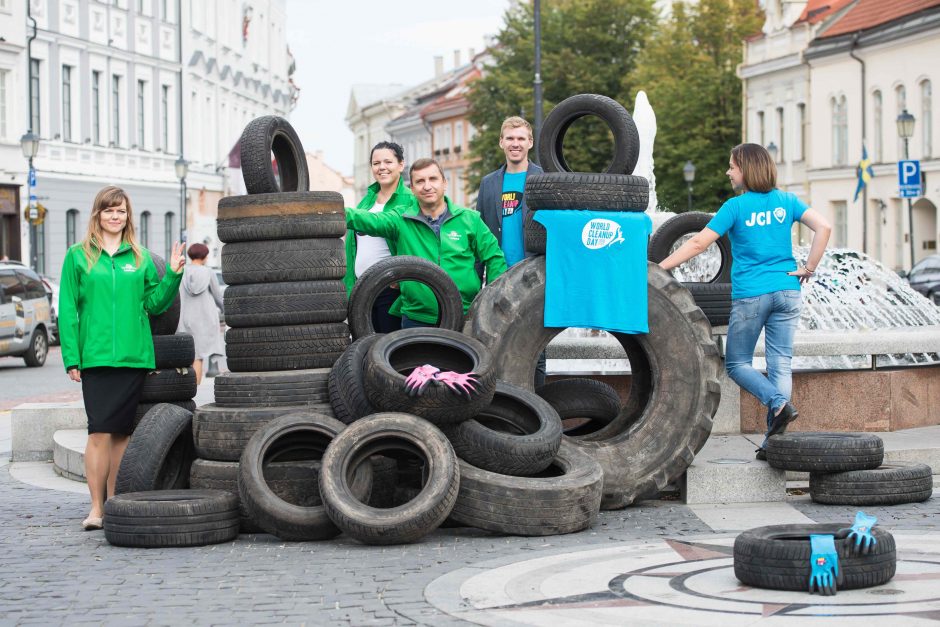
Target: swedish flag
(865, 173)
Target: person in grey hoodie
(200, 295)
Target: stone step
(68, 453)
(725, 470)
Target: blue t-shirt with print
(513, 188)
(595, 269)
(759, 226)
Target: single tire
(262, 137)
(283, 260)
(166, 518)
(403, 268)
(384, 433)
(674, 390)
(174, 351)
(285, 215)
(174, 384)
(143, 408)
(578, 190)
(519, 433)
(714, 299)
(272, 389)
(563, 499)
(777, 557)
(825, 452)
(289, 347)
(293, 481)
(395, 355)
(167, 322)
(588, 403)
(893, 483)
(297, 302)
(159, 453)
(221, 433)
(534, 235)
(675, 231)
(35, 355)
(302, 433)
(347, 386)
(559, 120)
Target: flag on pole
(864, 171)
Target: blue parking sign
(909, 179)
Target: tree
(588, 46)
(688, 71)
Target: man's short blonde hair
(514, 122)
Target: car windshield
(930, 264)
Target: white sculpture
(645, 121)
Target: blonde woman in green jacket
(108, 287)
(388, 194)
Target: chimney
(438, 66)
(456, 59)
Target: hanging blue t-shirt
(513, 188)
(759, 226)
(595, 269)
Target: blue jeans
(778, 314)
(408, 323)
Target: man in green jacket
(435, 229)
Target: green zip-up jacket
(464, 240)
(400, 200)
(103, 317)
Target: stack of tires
(707, 276)
(173, 381)
(674, 391)
(849, 469)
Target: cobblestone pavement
(54, 573)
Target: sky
(339, 43)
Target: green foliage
(588, 46)
(688, 71)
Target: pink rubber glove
(419, 379)
(462, 384)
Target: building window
(780, 134)
(926, 125)
(66, 103)
(34, 96)
(165, 118)
(878, 115)
(760, 128)
(3, 103)
(840, 220)
(801, 129)
(900, 97)
(840, 131)
(116, 110)
(96, 107)
(145, 229)
(71, 227)
(168, 234)
(141, 100)
(458, 137)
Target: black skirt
(111, 397)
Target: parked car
(52, 291)
(925, 278)
(25, 314)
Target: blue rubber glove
(824, 565)
(861, 533)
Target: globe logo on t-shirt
(780, 213)
(600, 234)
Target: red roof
(818, 10)
(870, 13)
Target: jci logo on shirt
(762, 218)
(454, 236)
(600, 234)
(129, 268)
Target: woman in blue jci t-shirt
(765, 279)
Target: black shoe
(779, 423)
(761, 455)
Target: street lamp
(905, 124)
(688, 173)
(182, 168)
(772, 149)
(29, 142)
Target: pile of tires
(706, 276)
(674, 390)
(849, 469)
(173, 380)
